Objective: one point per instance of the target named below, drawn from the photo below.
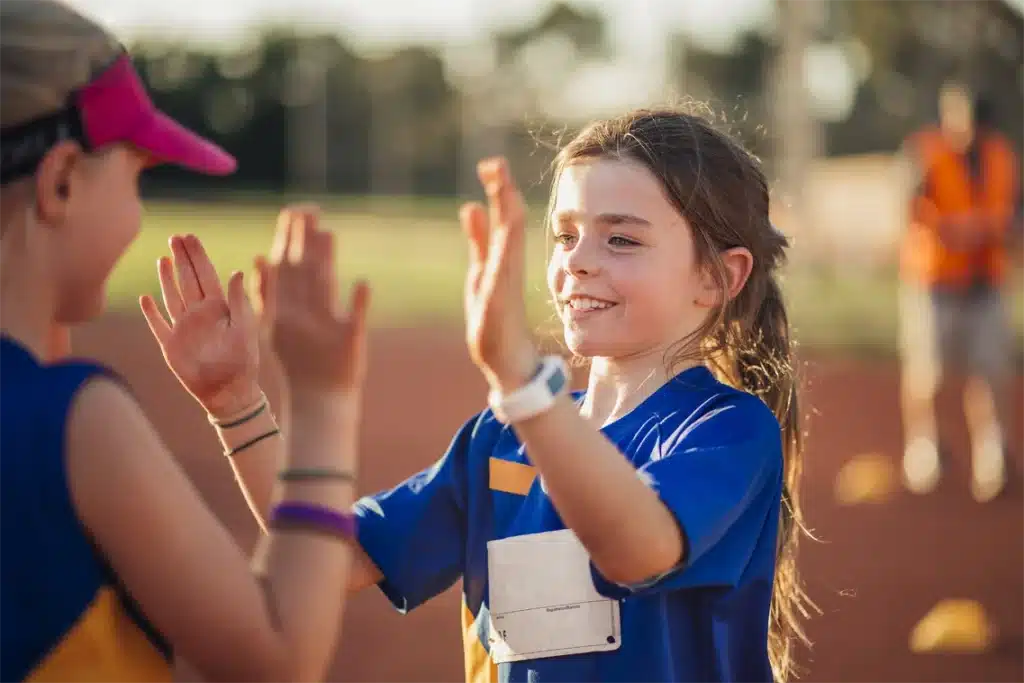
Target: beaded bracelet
(299, 516)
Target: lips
(588, 304)
(579, 306)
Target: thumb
(473, 218)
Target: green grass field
(414, 254)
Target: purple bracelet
(313, 518)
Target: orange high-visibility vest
(949, 189)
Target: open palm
(497, 334)
(209, 340)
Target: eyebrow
(614, 218)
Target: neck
(618, 385)
(27, 300)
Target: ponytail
(764, 366)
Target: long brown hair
(721, 190)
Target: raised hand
(497, 334)
(208, 339)
(320, 345)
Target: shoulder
(696, 400)
(733, 415)
(37, 420)
(722, 417)
(480, 432)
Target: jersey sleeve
(719, 475)
(415, 533)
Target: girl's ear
(737, 264)
(54, 181)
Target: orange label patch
(511, 477)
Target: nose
(583, 259)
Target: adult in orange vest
(955, 258)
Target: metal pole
(798, 133)
(307, 137)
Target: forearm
(628, 532)
(306, 580)
(255, 466)
(256, 470)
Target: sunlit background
(380, 110)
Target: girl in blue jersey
(111, 564)
(644, 529)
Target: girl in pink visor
(113, 568)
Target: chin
(584, 345)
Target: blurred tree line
(307, 112)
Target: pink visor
(113, 108)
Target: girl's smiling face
(623, 273)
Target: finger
(203, 268)
(324, 284)
(257, 283)
(282, 235)
(173, 302)
(304, 224)
(157, 324)
(508, 220)
(188, 283)
(473, 218)
(268, 290)
(507, 211)
(359, 304)
(359, 308)
(239, 307)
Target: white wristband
(537, 396)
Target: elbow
(297, 664)
(259, 666)
(282, 666)
(630, 569)
(275, 663)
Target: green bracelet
(315, 473)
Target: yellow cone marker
(866, 478)
(954, 626)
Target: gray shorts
(944, 330)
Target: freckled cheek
(633, 280)
(555, 275)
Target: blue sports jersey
(64, 614)
(714, 456)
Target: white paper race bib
(543, 602)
